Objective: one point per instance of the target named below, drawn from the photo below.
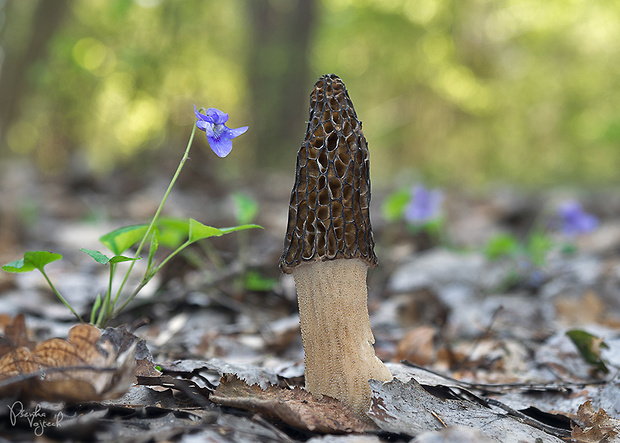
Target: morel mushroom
(328, 248)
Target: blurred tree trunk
(44, 19)
(279, 77)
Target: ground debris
(251, 374)
(595, 426)
(85, 367)
(15, 334)
(489, 345)
(296, 407)
(411, 409)
(462, 434)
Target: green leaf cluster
(535, 248)
(395, 204)
(171, 232)
(466, 92)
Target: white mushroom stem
(335, 329)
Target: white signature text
(37, 420)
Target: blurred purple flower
(425, 205)
(574, 220)
(218, 135)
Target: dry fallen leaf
(587, 309)
(82, 368)
(121, 339)
(409, 408)
(14, 334)
(595, 426)
(252, 375)
(296, 407)
(418, 346)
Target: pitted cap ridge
(329, 207)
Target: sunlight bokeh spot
(437, 47)
(148, 3)
(144, 115)
(89, 53)
(460, 85)
(421, 12)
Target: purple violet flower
(219, 135)
(425, 205)
(574, 220)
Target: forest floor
(478, 347)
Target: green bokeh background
(452, 92)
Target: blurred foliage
(477, 90)
(460, 91)
(121, 76)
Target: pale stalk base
(335, 329)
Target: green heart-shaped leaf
(239, 228)
(172, 232)
(32, 260)
(122, 258)
(99, 257)
(198, 231)
(104, 259)
(119, 240)
(18, 266)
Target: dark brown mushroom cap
(329, 209)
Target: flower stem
(149, 231)
(149, 276)
(62, 299)
(106, 306)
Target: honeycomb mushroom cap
(329, 208)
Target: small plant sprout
(328, 248)
(420, 208)
(245, 210)
(417, 205)
(177, 234)
(530, 253)
(527, 255)
(37, 260)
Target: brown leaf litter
(85, 367)
(595, 426)
(296, 407)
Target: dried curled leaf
(296, 407)
(15, 334)
(595, 426)
(84, 367)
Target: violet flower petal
(221, 146)
(233, 133)
(218, 134)
(200, 116)
(216, 116)
(203, 125)
(424, 205)
(574, 220)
